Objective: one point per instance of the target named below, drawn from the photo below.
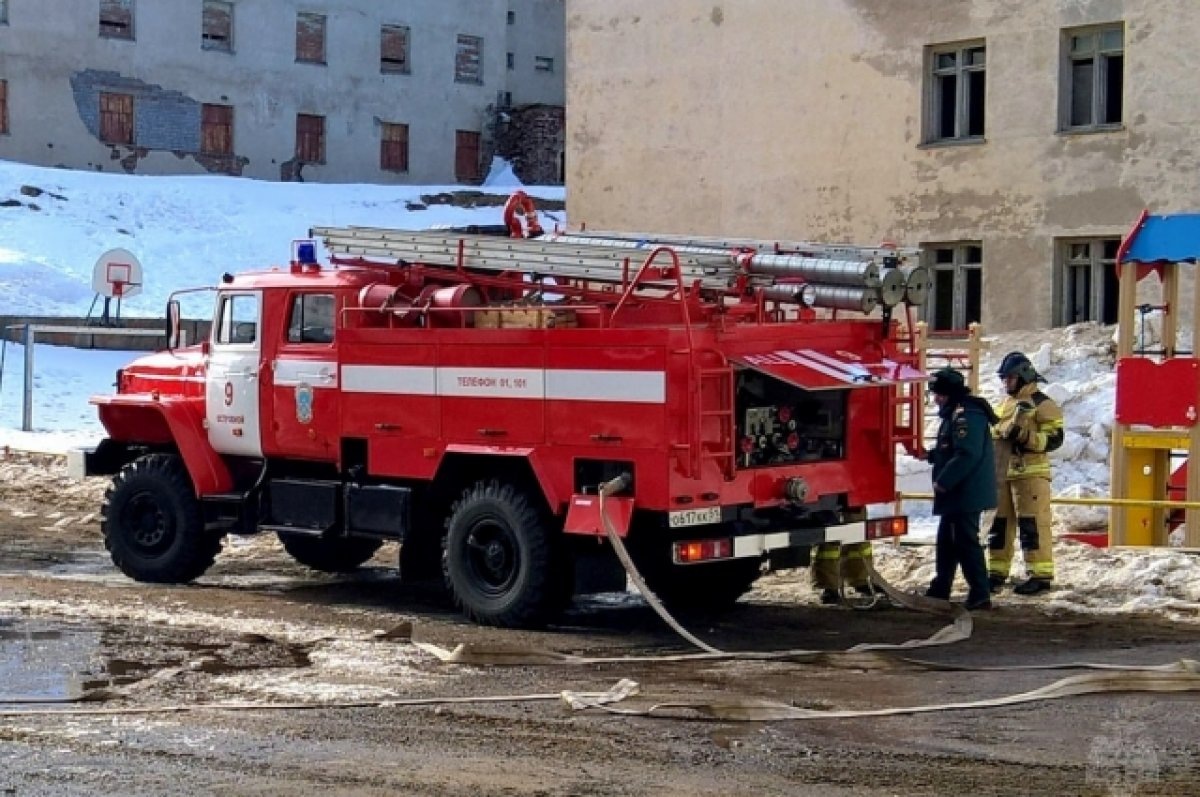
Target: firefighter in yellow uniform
(1030, 426)
(834, 564)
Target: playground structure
(1157, 389)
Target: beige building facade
(1015, 141)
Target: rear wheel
(497, 557)
(329, 554)
(152, 523)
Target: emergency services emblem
(304, 403)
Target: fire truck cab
(465, 396)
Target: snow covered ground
(188, 230)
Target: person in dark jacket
(964, 485)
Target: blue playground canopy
(1171, 238)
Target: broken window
(512, 17)
(1094, 85)
(3, 12)
(466, 155)
(1088, 284)
(956, 299)
(543, 63)
(393, 148)
(310, 138)
(217, 26)
(216, 129)
(956, 93)
(310, 38)
(3, 107)
(116, 19)
(116, 118)
(393, 49)
(468, 60)
(510, 60)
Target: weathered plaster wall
(776, 118)
(56, 63)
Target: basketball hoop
(116, 275)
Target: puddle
(60, 663)
(45, 663)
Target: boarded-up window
(216, 129)
(543, 63)
(393, 148)
(466, 155)
(116, 118)
(468, 60)
(3, 106)
(310, 38)
(310, 138)
(217, 33)
(116, 19)
(393, 49)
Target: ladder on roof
(713, 265)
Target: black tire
(153, 525)
(713, 586)
(497, 557)
(329, 554)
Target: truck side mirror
(174, 329)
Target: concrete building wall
(812, 120)
(57, 64)
(537, 33)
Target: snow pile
(185, 230)
(1077, 362)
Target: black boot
(996, 583)
(830, 596)
(1032, 586)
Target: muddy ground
(259, 629)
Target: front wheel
(153, 525)
(497, 557)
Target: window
(3, 107)
(956, 300)
(466, 155)
(3, 12)
(1088, 284)
(956, 93)
(116, 118)
(310, 138)
(216, 129)
(542, 63)
(393, 148)
(1094, 84)
(510, 60)
(468, 60)
(116, 19)
(312, 318)
(393, 49)
(217, 26)
(238, 319)
(512, 17)
(310, 38)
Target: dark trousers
(958, 544)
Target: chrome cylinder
(918, 284)
(856, 273)
(840, 297)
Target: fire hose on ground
(1175, 677)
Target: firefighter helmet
(1017, 364)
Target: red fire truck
(465, 394)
